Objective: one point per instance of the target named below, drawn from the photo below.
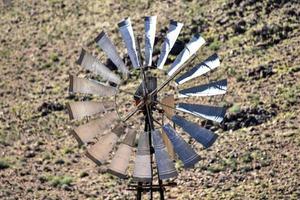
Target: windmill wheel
(102, 133)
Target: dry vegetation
(257, 154)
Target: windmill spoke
(131, 93)
(158, 89)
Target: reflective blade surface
(126, 31)
(99, 152)
(110, 49)
(213, 113)
(165, 165)
(91, 63)
(173, 32)
(200, 134)
(120, 161)
(210, 89)
(142, 167)
(184, 151)
(86, 86)
(209, 64)
(150, 28)
(190, 49)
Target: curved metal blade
(165, 165)
(168, 144)
(142, 167)
(209, 64)
(190, 49)
(150, 28)
(86, 132)
(110, 49)
(168, 103)
(119, 164)
(126, 30)
(184, 151)
(200, 134)
(130, 138)
(213, 113)
(99, 152)
(78, 110)
(173, 32)
(86, 86)
(120, 161)
(92, 64)
(210, 89)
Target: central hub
(143, 94)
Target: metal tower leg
(139, 191)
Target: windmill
(159, 144)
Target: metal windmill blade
(190, 49)
(85, 86)
(202, 135)
(150, 28)
(110, 49)
(168, 103)
(112, 122)
(86, 132)
(213, 113)
(99, 152)
(210, 89)
(185, 153)
(209, 64)
(165, 165)
(126, 31)
(168, 144)
(142, 169)
(173, 32)
(80, 109)
(92, 64)
(120, 161)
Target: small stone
(59, 161)
(102, 169)
(240, 27)
(29, 154)
(47, 107)
(66, 187)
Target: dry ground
(259, 43)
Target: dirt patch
(49, 107)
(248, 117)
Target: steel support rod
(149, 123)
(149, 126)
(158, 89)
